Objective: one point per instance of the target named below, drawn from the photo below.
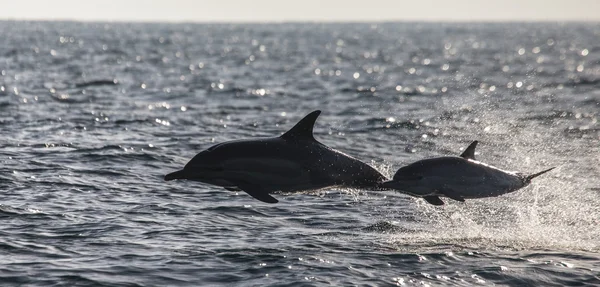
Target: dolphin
(292, 162)
(457, 178)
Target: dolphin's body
(457, 178)
(292, 162)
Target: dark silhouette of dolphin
(97, 83)
(456, 178)
(292, 162)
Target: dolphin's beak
(180, 174)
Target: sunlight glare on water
(95, 114)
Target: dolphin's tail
(180, 174)
(532, 176)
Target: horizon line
(305, 21)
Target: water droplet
(540, 59)
(585, 52)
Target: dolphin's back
(267, 147)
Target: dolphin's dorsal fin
(469, 153)
(304, 128)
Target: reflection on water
(93, 115)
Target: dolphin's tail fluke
(532, 176)
(180, 174)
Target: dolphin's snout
(180, 174)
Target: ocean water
(93, 115)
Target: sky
(300, 10)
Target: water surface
(94, 115)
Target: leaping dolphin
(292, 162)
(457, 178)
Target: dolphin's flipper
(450, 193)
(258, 193)
(469, 153)
(432, 199)
(303, 130)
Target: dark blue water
(93, 116)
